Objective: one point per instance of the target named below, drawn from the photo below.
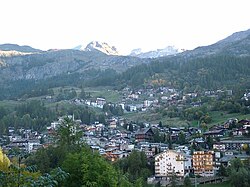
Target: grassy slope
(154, 119)
(221, 117)
(105, 92)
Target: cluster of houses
(114, 143)
(98, 102)
(150, 98)
(134, 101)
(26, 140)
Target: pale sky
(126, 24)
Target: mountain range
(237, 44)
(26, 63)
(167, 51)
(112, 50)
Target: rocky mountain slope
(237, 44)
(53, 63)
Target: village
(179, 150)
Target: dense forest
(202, 73)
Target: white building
(100, 101)
(147, 103)
(133, 96)
(33, 145)
(132, 108)
(169, 162)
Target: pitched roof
(143, 131)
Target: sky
(125, 24)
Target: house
(235, 144)
(183, 148)
(168, 163)
(194, 130)
(114, 154)
(147, 103)
(131, 108)
(144, 135)
(214, 133)
(21, 144)
(150, 149)
(112, 124)
(219, 146)
(225, 160)
(203, 163)
(100, 101)
(244, 122)
(239, 132)
(197, 142)
(25, 145)
(133, 96)
(33, 145)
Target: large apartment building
(203, 163)
(169, 162)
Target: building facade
(169, 162)
(144, 135)
(203, 163)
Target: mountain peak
(102, 47)
(99, 46)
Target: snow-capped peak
(169, 50)
(102, 47)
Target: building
(214, 133)
(169, 162)
(144, 135)
(21, 144)
(203, 163)
(113, 154)
(147, 103)
(133, 96)
(112, 124)
(100, 101)
(235, 144)
(132, 108)
(25, 145)
(219, 147)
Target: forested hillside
(196, 74)
(201, 73)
